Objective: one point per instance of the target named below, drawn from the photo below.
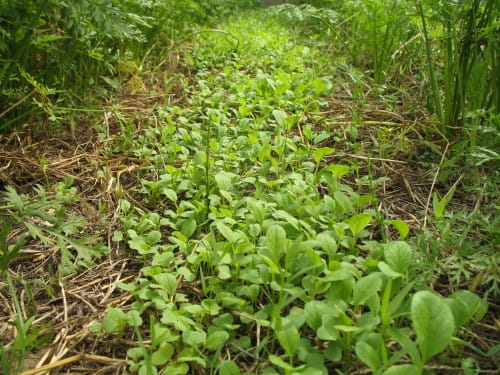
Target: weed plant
(258, 256)
(44, 218)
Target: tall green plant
(65, 46)
(470, 69)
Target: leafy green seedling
(433, 322)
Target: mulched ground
(66, 305)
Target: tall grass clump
(469, 47)
(462, 44)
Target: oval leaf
(433, 323)
(402, 370)
(398, 255)
(368, 355)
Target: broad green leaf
(153, 237)
(228, 233)
(137, 353)
(276, 240)
(277, 361)
(433, 323)
(170, 194)
(224, 180)
(177, 369)
(163, 354)
(216, 340)
(366, 288)
(402, 370)
(194, 338)
(188, 227)
(464, 304)
(398, 255)
(229, 368)
(368, 355)
(343, 201)
(115, 320)
(358, 222)
(224, 272)
(117, 236)
(337, 170)
(320, 153)
(314, 312)
(162, 259)
(388, 271)
(134, 318)
(327, 331)
(280, 117)
(286, 217)
(167, 281)
(289, 339)
(257, 209)
(333, 352)
(327, 243)
(400, 226)
(111, 326)
(138, 243)
(346, 328)
(160, 333)
(273, 267)
(125, 205)
(148, 369)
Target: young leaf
(433, 323)
(366, 288)
(224, 180)
(276, 240)
(388, 271)
(177, 369)
(343, 201)
(402, 370)
(163, 354)
(257, 209)
(401, 336)
(216, 340)
(280, 117)
(337, 170)
(194, 338)
(398, 255)
(229, 368)
(400, 226)
(368, 355)
(148, 369)
(277, 361)
(170, 194)
(464, 304)
(228, 234)
(289, 339)
(358, 222)
(320, 153)
(327, 243)
(439, 205)
(188, 227)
